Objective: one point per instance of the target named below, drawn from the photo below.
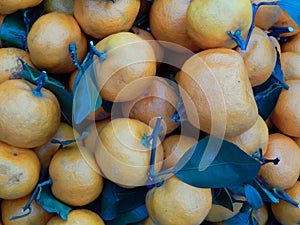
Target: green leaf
(266, 195)
(134, 216)
(64, 97)
(13, 31)
(230, 167)
(267, 94)
(46, 199)
(221, 196)
(115, 200)
(253, 197)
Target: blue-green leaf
(46, 199)
(267, 94)
(221, 196)
(266, 195)
(131, 217)
(115, 200)
(253, 197)
(230, 167)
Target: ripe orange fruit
(11, 6)
(286, 115)
(157, 48)
(27, 121)
(75, 176)
(219, 213)
(92, 140)
(10, 66)
(253, 139)
(78, 216)
(208, 21)
(259, 57)
(286, 21)
(177, 203)
(168, 23)
(10, 208)
(292, 45)
(46, 151)
(129, 61)
(159, 100)
(290, 65)
(48, 42)
(285, 174)
(216, 89)
(297, 140)
(174, 147)
(121, 155)
(20, 171)
(266, 15)
(102, 18)
(285, 212)
(262, 215)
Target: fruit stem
(259, 156)
(281, 194)
(32, 197)
(237, 34)
(277, 30)
(94, 51)
(63, 144)
(40, 83)
(152, 178)
(73, 53)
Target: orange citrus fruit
(285, 212)
(92, 140)
(66, 6)
(213, 79)
(286, 21)
(290, 65)
(48, 42)
(129, 58)
(20, 171)
(102, 18)
(10, 66)
(266, 15)
(159, 100)
(174, 148)
(209, 20)
(121, 155)
(34, 121)
(75, 176)
(11, 6)
(259, 57)
(10, 208)
(168, 23)
(285, 174)
(45, 152)
(286, 115)
(78, 216)
(148, 221)
(177, 203)
(253, 139)
(292, 45)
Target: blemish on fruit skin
(116, 171)
(15, 154)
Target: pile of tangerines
(213, 78)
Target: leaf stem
(259, 156)
(28, 204)
(237, 34)
(65, 143)
(94, 51)
(73, 53)
(40, 83)
(281, 194)
(152, 178)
